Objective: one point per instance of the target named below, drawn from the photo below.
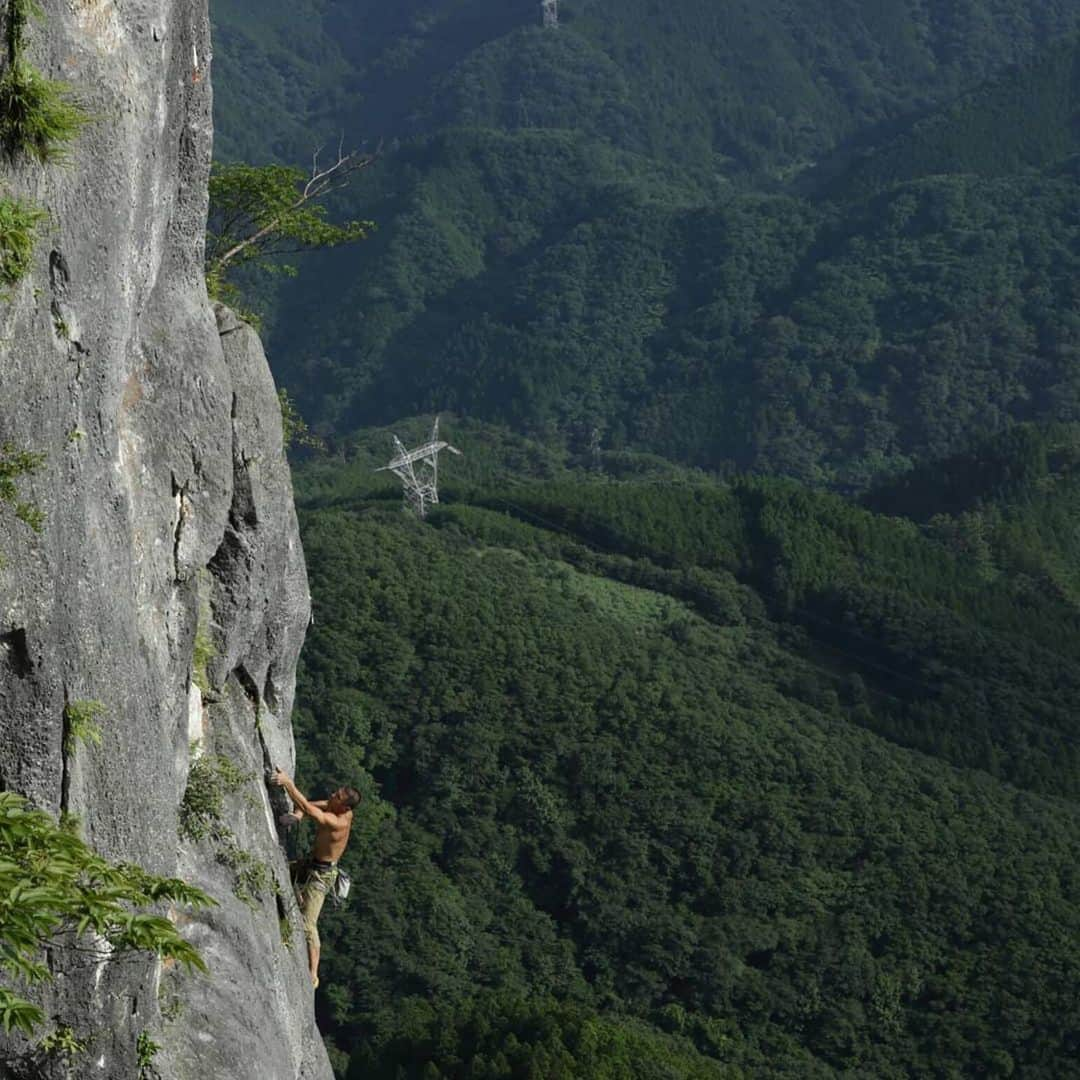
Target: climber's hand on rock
(278, 778)
(287, 821)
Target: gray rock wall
(168, 505)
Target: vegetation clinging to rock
(80, 724)
(53, 884)
(37, 115)
(259, 213)
(14, 466)
(202, 817)
(18, 223)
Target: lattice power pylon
(418, 470)
(550, 11)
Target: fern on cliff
(37, 115)
(14, 466)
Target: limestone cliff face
(168, 514)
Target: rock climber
(314, 876)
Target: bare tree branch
(322, 182)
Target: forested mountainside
(669, 778)
(762, 334)
(538, 267)
(721, 722)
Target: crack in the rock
(270, 691)
(247, 683)
(65, 762)
(178, 494)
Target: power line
(418, 470)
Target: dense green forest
(562, 249)
(713, 86)
(741, 779)
(720, 722)
(943, 309)
(1028, 117)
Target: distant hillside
(760, 332)
(277, 74)
(546, 261)
(1028, 118)
(720, 722)
(717, 86)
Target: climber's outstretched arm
(314, 810)
(296, 815)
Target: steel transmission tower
(550, 12)
(418, 470)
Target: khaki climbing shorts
(312, 885)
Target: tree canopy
(261, 212)
(726, 773)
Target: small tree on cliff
(259, 213)
(54, 889)
(15, 464)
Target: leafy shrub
(210, 780)
(53, 884)
(294, 429)
(261, 212)
(62, 1042)
(145, 1052)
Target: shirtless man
(314, 877)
